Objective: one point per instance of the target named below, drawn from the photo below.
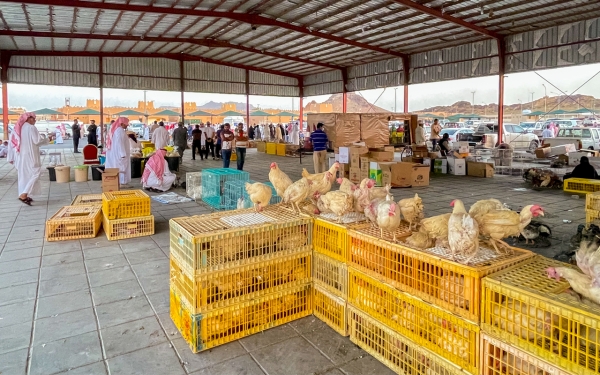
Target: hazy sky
(518, 86)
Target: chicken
(319, 176)
(527, 322)
(260, 195)
(310, 209)
(378, 192)
(291, 238)
(279, 179)
(463, 233)
(297, 192)
(419, 240)
(497, 225)
(361, 195)
(322, 186)
(482, 207)
(371, 210)
(436, 228)
(412, 210)
(513, 365)
(454, 290)
(346, 186)
(231, 285)
(534, 231)
(388, 216)
(338, 202)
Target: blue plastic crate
(214, 182)
(234, 190)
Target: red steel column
(405, 80)
(301, 117)
(501, 67)
(247, 97)
(181, 84)
(4, 60)
(101, 84)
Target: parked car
(529, 126)
(486, 135)
(563, 123)
(591, 121)
(137, 128)
(582, 138)
(459, 135)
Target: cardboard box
(386, 172)
(434, 155)
(381, 156)
(389, 148)
(546, 151)
(364, 173)
(457, 167)
(409, 174)
(110, 180)
(440, 166)
(364, 162)
(375, 172)
(542, 152)
(573, 158)
(477, 169)
(355, 175)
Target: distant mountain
(355, 104)
(241, 107)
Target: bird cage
(193, 185)
(214, 182)
(236, 195)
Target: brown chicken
(296, 193)
(322, 186)
(433, 230)
(463, 233)
(279, 179)
(319, 176)
(338, 202)
(412, 210)
(482, 207)
(346, 186)
(497, 225)
(260, 194)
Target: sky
(517, 87)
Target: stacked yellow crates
(236, 273)
(426, 306)
(530, 325)
(592, 208)
(127, 214)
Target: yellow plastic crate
(553, 325)
(592, 217)
(119, 229)
(261, 146)
(330, 274)
(399, 353)
(271, 148)
(499, 358)
(145, 144)
(438, 330)
(592, 201)
(125, 204)
(87, 199)
(229, 239)
(427, 274)
(220, 326)
(219, 289)
(330, 309)
(280, 149)
(581, 185)
(330, 239)
(73, 222)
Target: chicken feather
(463, 233)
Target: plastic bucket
(102, 159)
(52, 173)
(63, 174)
(96, 174)
(81, 173)
(173, 162)
(136, 167)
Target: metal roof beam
(172, 56)
(448, 18)
(252, 19)
(200, 42)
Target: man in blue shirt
(319, 141)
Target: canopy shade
(289, 114)
(47, 111)
(166, 112)
(581, 110)
(429, 115)
(536, 113)
(9, 112)
(130, 112)
(87, 112)
(260, 113)
(230, 113)
(558, 112)
(200, 113)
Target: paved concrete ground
(102, 307)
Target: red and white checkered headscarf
(15, 138)
(155, 164)
(111, 132)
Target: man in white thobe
(24, 153)
(59, 137)
(160, 137)
(118, 154)
(157, 176)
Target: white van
(233, 120)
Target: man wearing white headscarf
(160, 137)
(118, 154)
(24, 153)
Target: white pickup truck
(514, 135)
(582, 138)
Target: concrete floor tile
(62, 303)
(111, 276)
(268, 337)
(335, 347)
(18, 293)
(98, 368)
(19, 265)
(62, 270)
(63, 285)
(115, 313)
(133, 245)
(101, 252)
(8, 256)
(57, 248)
(145, 255)
(64, 325)
(14, 338)
(128, 337)
(64, 258)
(160, 301)
(155, 283)
(18, 278)
(169, 327)
(19, 245)
(367, 365)
(290, 357)
(23, 236)
(243, 365)
(64, 354)
(16, 313)
(116, 292)
(105, 263)
(151, 268)
(14, 363)
(208, 358)
(159, 359)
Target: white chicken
(296, 193)
(346, 185)
(388, 216)
(319, 176)
(338, 202)
(322, 186)
(371, 210)
(361, 195)
(527, 322)
(412, 210)
(260, 194)
(279, 179)
(463, 233)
